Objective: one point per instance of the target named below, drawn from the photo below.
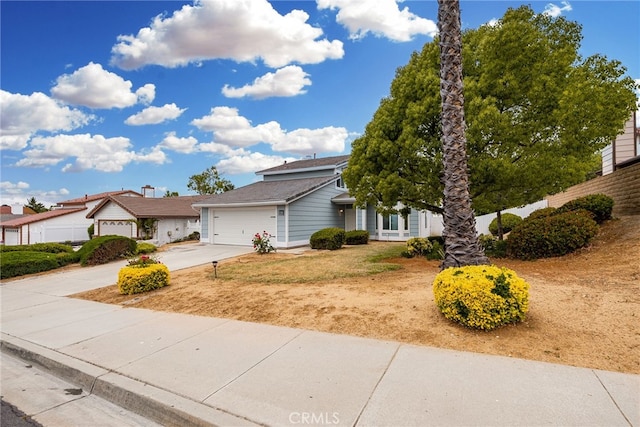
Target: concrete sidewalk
(182, 370)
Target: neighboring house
(59, 225)
(296, 199)
(167, 218)
(65, 222)
(624, 150)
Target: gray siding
(281, 226)
(414, 223)
(314, 212)
(371, 220)
(297, 175)
(204, 223)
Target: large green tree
(536, 113)
(209, 182)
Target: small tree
(209, 182)
(171, 194)
(35, 205)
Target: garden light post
(215, 268)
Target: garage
(237, 226)
(11, 236)
(116, 227)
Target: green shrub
(104, 249)
(331, 238)
(509, 221)
(551, 236)
(493, 247)
(419, 246)
(541, 213)
(19, 263)
(437, 250)
(357, 237)
(134, 279)
(600, 205)
(145, 248)
(481, 296)
(91, 231)
(52, 248)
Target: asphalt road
(14, 417)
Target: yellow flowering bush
(481, 296)
(142, 277)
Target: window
(340, 182)
(390, 222)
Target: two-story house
(296, 199)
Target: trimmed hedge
(145, 248)
(481, 296)
(419, 246)
(541, 213)
(331, 238)
(104, 249)
(19, 263)
(52, 248)
(137, 279)
(600, 205)
(551, 236)
(357, 237)
(509, 222)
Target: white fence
(483, 221)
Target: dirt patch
(584, 307)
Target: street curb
(153, 403)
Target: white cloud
(9, 187)
(382, 18)
(23, 115)
(18, 193)
(250, 163)
(181, 145)
(94, 87)
(155, 115)
(90, 152)
(309, 141)
(554, 10)
(146, 94)
(234, 130)
(244, 31)
(287, 81)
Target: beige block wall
(623, 186)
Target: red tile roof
(93, 197)
(152, 207)
(28, 219)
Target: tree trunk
(461, 239)
(499, 222)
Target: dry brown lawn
(584, 308)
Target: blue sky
(103, 95)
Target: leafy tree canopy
(36, 205)
(209, 182)
(171, 194)
(536, 114)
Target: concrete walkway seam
(151, 402)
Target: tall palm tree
(461, 239)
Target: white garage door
(11, 236)
(117, 227)
(238, 226)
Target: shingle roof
(28, 219)
(311, 164)
(265, 192)
(151, 207)
(93, 197)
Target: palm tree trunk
(461, 239)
